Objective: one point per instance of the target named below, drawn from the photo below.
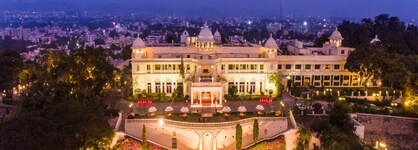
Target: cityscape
(208, 75)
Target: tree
(411, 99)
(183, 76)
(113, 33)
(334, 138)
(276, 79)
(233, 91)
(255, 131)
(321, 40)
(67, 94)
(238, 137)
(126, 80)
(10, 66)
(144, 138)
(25, 132)
(126, 52)
(339, 117)
(368, 61)
(303, 139)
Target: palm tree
(303, 139)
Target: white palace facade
(211, 68)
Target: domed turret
(375, 40)
(336, 38)
(271, 47)
(217, 37)
(336, 35)
(138, 44)
(271, 43)
(217, 33)
(138, 48)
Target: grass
(218, 117)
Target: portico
(206, 94)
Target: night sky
(406, 9)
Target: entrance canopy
(206, 94)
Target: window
(149, 87)
(137, 67)
(327, 67)
(158, 87)
(261, 87)
(168, 86)
(317, 67)
(288, 67)
(188, 67)
(307, 67)
(148, 67)
(241, 87)
(157, 67)
(261, 67)
(327, 78)
(337, 67)
(188, 56)
(231, 85)
(336, 78)
(279, 67)
(210, 57)
(201, 57)
(253, 67)
(317, 77)
(230, 67)
(252, 87)
(241, 67)
(298, 67)
(159, 56)
(346, 78)
(342, 52)
(298, 78)
(222, 67)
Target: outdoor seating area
(197, 117)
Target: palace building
(211, 68)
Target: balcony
(206, 84)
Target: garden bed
(278, 143)
(132, 144)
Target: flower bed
(278, 143)
(132, 144)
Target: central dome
(205, 35)
(336, 35)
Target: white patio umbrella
(259, 107)
(152, 109)
(169, 109)
(226, 109)
(184, 109)
(242, 109)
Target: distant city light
(249, 22)
(305, 23)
